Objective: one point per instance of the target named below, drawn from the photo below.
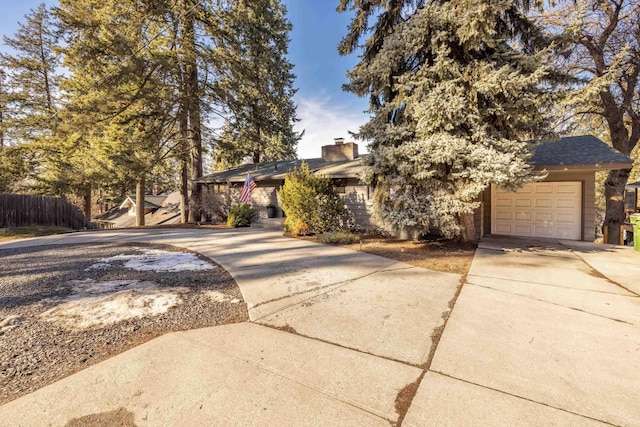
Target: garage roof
(578, 152)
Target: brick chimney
(340, 151)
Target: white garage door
(543, 209)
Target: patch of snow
(95, 303)
(217, 296)
(86, 312)
(158, 260)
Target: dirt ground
(437, 254)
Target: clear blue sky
(325, 110)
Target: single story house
(560, 206)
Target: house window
(340, 184)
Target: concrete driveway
(542, 333)
(338, 337)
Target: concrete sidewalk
(542, 333)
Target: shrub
(311, 203)
(240, 215)
(299, 228)
(217, 205)
(339, 237)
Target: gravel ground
(36, 351)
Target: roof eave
(584, 167)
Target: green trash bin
(635, 220)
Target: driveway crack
(328, 393)
(525, 398)
(552, 303)
(407, 394)
(597, 273)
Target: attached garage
(562, 205)
(543, 209)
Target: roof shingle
(584, 150)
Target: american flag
(247, 188)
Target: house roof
(150, 202)
(278, 170)
(584, 152)
(578, 152)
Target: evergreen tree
(455, 92)
(255, 83)
(31, 77)
(3, 107)
(119, 119)
(190, 117)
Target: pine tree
(255, 83)
(31, 79)
(456, 95)
(118, 123)
(3, 107)
(190, 109)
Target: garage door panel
(549, 209)
(542, 231)
(566, 204)
(542, 216)
(503, 215)
(565, 218)
(503, 229)
(543, 188)
(563, 188)
(543, 203)
(523, 229)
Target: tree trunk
(87, 204)
(614, 196)
(468, 232)
(184, 164)
(1, 125)
(140, 202)
(193, 110)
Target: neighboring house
(560, 206)
(158, 209)
(151, 203)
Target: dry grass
(438, 254)
(14, 233)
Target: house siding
(357, 198)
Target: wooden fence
(20, 210)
